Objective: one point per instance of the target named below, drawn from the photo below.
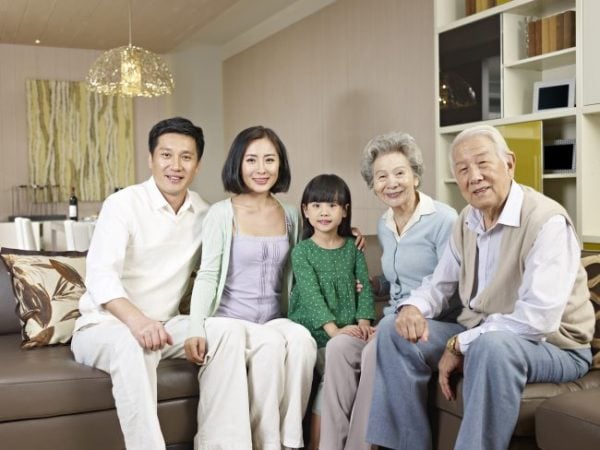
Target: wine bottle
(73, 206)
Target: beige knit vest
(500, 295)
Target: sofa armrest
(570, 420)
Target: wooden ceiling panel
(158, 25)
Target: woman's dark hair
(231, 174)
(177, 125)
(327, 188)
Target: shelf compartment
(546, 61)
(566, 115)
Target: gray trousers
(496, 369)
(348, 385)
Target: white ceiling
(157, 25)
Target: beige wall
(198, 96)
(20, 62)
(331, 81)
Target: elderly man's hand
(411, 324)
(446, 367)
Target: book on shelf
(550, 33)
(545, 34)
(531, 51)
(538, 37)
(568, 18)
(560, 25)
(482, 5)
(470, 7)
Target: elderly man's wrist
(453, 345)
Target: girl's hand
(351, 330)
(366, 329)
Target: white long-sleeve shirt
(548, 279)
(143, 251)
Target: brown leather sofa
(48, 401)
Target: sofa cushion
(47, 287)
(533, 396)
(48, 382)
(570, 420)
(592, 267)
(8, 318)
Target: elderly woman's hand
(360, 242)
(411, 324)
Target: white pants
(223, 417)
(280, 355)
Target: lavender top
(253, 286)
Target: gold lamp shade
(130, 71)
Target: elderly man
(526, 318)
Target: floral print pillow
(47, 287)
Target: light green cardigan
(217, 234)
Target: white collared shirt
(423, 208)
(143, 251)
(550, 271)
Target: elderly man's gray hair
(481, 131)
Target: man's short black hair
(232, 169)
(177, 125)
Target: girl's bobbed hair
(327, 188)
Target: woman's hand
(411, 324)
(360, 241)
(195, 349)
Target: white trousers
(280, 355)
(223, 411)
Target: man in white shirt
(515, 260)
(145, 245)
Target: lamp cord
(129, 4)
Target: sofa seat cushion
(533, 396)
(47, 382)
(570, 420)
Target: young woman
(245, 274)
(326, 266)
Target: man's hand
(150, 334)
(195, 349)
(446, 367)
(411, 324)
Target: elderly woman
(413, 233)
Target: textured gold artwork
(78, 138)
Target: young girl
(327, 265)
(243, 282)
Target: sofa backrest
(9, 323)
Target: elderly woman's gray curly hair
(396, 141)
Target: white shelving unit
(578, 191)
